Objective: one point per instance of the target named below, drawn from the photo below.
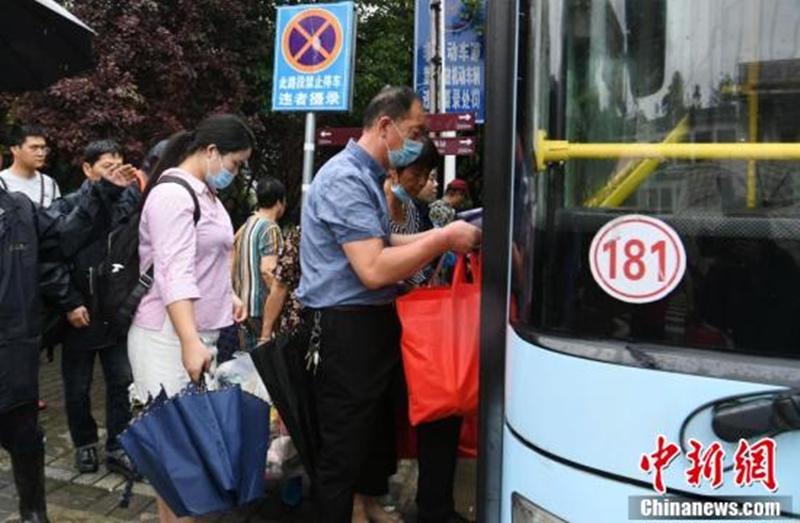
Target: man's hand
(78, 317)
(239, 310)
(121, 175)
(462, 237)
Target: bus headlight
(523, 511)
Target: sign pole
(449, 161)
(308, 152)
(436, 57)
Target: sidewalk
(94, 498)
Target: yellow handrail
(550, 151)
(625, 182)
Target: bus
(640, 327)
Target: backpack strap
(185, 184)
(147, 277)
(4, 184)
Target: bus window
(739, 220)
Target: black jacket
(34, 243)
(83, 265)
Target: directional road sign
(451, 122)
(339, 136)
(314, 52)
(458, 146)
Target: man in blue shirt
(351, 264)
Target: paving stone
(93, 478)
(111, 481)
(109, 503)
(138, 505)
(8, 505)
(143, 489)
(60, 474)
(76, 497)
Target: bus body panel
(568, 493)
(571, 407)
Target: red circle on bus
(647, 244)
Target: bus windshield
(663, 72)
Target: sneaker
(86, 460)
(119, 462)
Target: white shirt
(32, 187)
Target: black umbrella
(280, 363)
(40, 42)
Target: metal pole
(436, 56)
(308, 152)
(450, 160)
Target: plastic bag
(282, 458)
(241, 371)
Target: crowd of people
(370, 229)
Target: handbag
(439, 344)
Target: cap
(457, 185)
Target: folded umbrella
(202, 450)
(213, 420)
(280, 363)
(161, 446)
(254, 445)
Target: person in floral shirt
(282, 310)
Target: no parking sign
(637, 259)
(314, 57)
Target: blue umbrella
(203, 451)
(213, 420)
(160, 445)
(255, 441)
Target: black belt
(360, 308)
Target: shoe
(86, 459)
(119, 462)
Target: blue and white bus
(680, 114)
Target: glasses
(39, 149)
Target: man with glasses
(29, 151)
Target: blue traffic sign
(463, 55)
(314, 53)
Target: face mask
(221, 178)
(407, 154)
(400, 193)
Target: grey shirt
(344, 204)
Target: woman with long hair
(173, 335)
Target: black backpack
(121, 283)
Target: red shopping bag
(441, 327)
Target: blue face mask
(221, 178)
(401, 194)
(407, 154)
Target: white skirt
(156, 361)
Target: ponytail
(178, 148)
(228, 132)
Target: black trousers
(355, 389)
(437, 453)
(77, 370)
(19, 429)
